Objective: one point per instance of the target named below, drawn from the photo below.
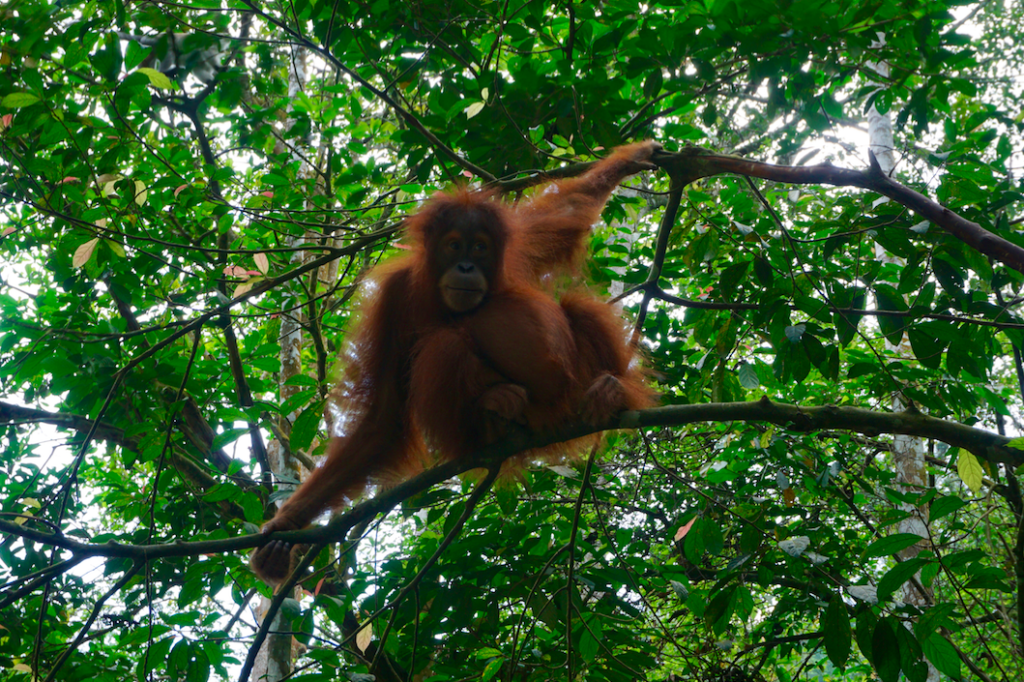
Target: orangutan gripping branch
(460, 337)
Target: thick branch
(693, 163)
(15, 414)
(668, 221)
(985, 444)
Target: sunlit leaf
(364, 637)
(969, 468)
(156, 78)
(84, 252)
(16, 100)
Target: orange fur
(421, 375)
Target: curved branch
(984, 444)
(668, 221)
(693, 163)
(19, 414)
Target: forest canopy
(824, 278)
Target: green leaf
(588, 646)
(227, 436)
(943, 506)
(748, 376)
(866, 623)
(221, 492)
(911, 658)
(896, 576)
(709, 116)
(969, 468)
(942, 654)
(847, 322)
(885, 650)
(950, 277)
(298, 400)
(927, 348)
(156, 78)
(836, 631)
(492, 669)
(891, 544)
(192, 590)
(892, 326)
(763, 271)
(795, 332)
(693, 543)
(305, 427)
(714, 540)
(814, 308)
(653, 83)
(159, 652)
(987, 578)
(883, 102)
(16, 100)
(252, 508)
(730, 279)
(115, 248)
(720, 608)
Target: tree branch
(694, 163)
(984, 444)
